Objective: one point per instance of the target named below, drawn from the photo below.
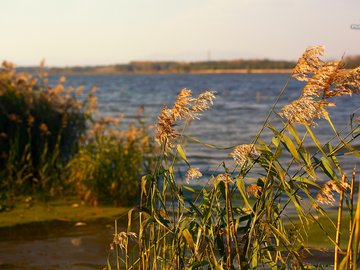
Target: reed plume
(254, 190)
(326, 194)
(185, 108)
(308, 63)
(192, 173)
(242, 153)
(324, 81)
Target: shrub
(40, 127)
(50, 141)
(110, 162)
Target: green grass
(67, 209)
(315, 237)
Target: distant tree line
(168, 66)
(352, 61)
(186, 67)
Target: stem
(117, 248)
(338, 227)
(350, 245)
(228, 229)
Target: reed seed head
(165, 132)
(185, 108)
(326, 196)
(192, 173)
(224, 177)
(202, 103)
(243, 152)
(122, 239)
(8, 65)
(254, 190)
(304, 110)
(30, 120)
(308, 63)
(182, 103)
(325, 80)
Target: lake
(241, 105)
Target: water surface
(241, 105)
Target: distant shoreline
(207, 71)
(237, 66)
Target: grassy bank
(70, 209)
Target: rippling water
(242, 102)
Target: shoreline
(210, 71)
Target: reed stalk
(239, 217)
(338, 227)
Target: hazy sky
(91, 32)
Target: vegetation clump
(110, 162)
(52, 144)
(40, 128)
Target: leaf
(306, 181)
(303, 152)
(189, 240)
(327, 168)
(294, 134)
(209, 145)
(290, 146)
(221, 187)
(189, 188)
(162, 221)
(143, 184)
(196, 265)
(182, 154)
(315, 140)
(306, 157)
(193, 206)
(241, 186)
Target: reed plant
(282, 186)
(53, 143)
(40, 129)
(110, 161)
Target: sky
(103, 32)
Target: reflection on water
(56, 245)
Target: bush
(49, 142)
(109, 164)
(40, 127)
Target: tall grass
(53, 144)
(40, 127)
(109, 163)
(255, 212)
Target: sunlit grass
(28, 210)
(53, 144)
